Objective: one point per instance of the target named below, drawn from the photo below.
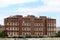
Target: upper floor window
(38, 24)
(51, 24)
(13, 24)
(7, 23)
(26, 24)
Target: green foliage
(3, 34)
(58, 34)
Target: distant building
(2, 28)
(30, 25)
(57, 29)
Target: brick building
(30, 25)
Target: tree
(3, 34)
(58, 34)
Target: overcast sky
(49, 8)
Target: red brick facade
(30, 25)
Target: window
(36, 24)
(54, 24)
(37, 33)
(41, 24)
(15, 28)
(11, 24)
(26, 28)
(49, 24)
(39, 29)
(54, 29)
(35, 29)
(16, 24)
(7, 23)
(26, 24)
(23, 22)
(15, 33)
(26, 33)
(48, 29)
(8, 33)
(49, 33)
(7, 28)
(12, 28)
